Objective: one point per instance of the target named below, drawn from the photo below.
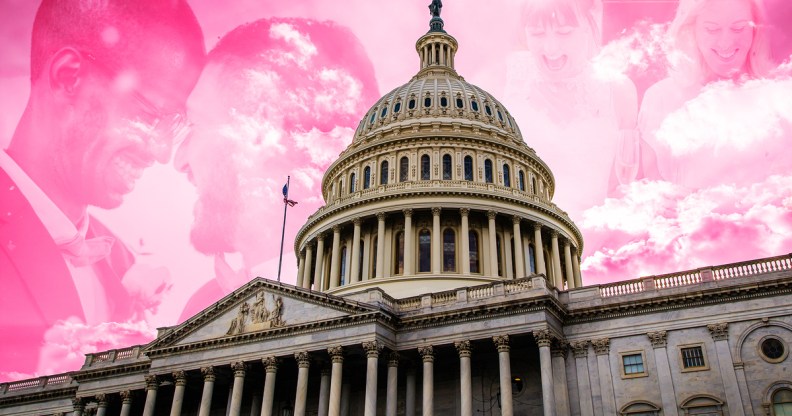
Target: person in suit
(109, 81)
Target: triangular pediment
(261, 305)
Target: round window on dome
(772, 349)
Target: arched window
(506, 176)
(446, 167)
(534, 189)
(703, 405)
(425, 167)
(404, 169)
(384, 173)
(639, 408)
(399, 257)
(782, 402)
(343, 265)
(449, 250)
(488, 171)
(366, 177)
(473, 246)
(352, 183)
(468, 168)
(521, 181)
(424, 251)
(531, 259)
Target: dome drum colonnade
(435, 186)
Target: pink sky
(732, 137)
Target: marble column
(180, 382)
(373, 349)
(409, 393)
(465, 239)
(300, 270)
(493, 245)
(380, 245)
(667, 394)
(346, 390)
(391, 400)
(126, 402)
(437, 242)
(271, 369)
(568, 265)
(151, 395)
(558, 351)
(306, 280)
(504, 366)
(576, 269)
(78, 405)
(409, 252)
(720, 334)
(237, 389)
(427, 356)
(101, 408)
(580, 348)
(465, 378)
(324, 391)
(602, 349)
(519, 253)
(337, 356)
(355, 269)
(255, 404)
(208, 389)
(335, 262)
(558, 279)
(539, 250)
(303, 365)
(318, 281)
(543, 339)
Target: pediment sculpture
(257, 317)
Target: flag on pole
(286, 199)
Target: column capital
(78, 403)
(502, 342)
(101, 399)
(427, 353)
(302, 255)
(516, 219)
(554, 234)
(407, 212)
(492, 214)
(657, 338)
(381, 216)
(601, 346)
(270, 364)
(567, 243)
(463, 348)
(151, 382)
(326, 371)
(436, 211)
(393, 359)
(357, 221)
(303, 359)
(580, 348)
(337, 229)
(336, 354)
(558, 348)
(320, 236)
(464, 212)
(126, 397)
(373, 348)
(543, 337)
(239, 368)
(719, 331)
(208, 373)
(180, 378)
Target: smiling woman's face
(724, 34)
(560, 42)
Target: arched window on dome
(352, 182)
(404, 169)
(446, 167)
(473, 247)
(449, 250)
(521, 180)
(367, 177)
(468, 168)
(506, 175)
(424, 251)
(531, 259)
(384, 111)
(373, 117)
(384, 173)
(782, 402)
(425, 168)
(343, 265)
(399, 254)
(488, 171)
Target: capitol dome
(438, 190)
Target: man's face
(120, 123)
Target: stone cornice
(32, 397)
(104, 372)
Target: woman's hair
(686, 59)
(564, 12)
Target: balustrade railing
(35, 383)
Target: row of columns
(571, 258)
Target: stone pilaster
(465, 240)
(409, 252)
(659, 340)
(558, 352)
(602, 349)
(437, 252)
(720, 334)
(580, 349)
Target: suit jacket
(36, 288)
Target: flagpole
(283, 230)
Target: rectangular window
(692, 357)
(633, 364)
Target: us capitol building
(440, 279)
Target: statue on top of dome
(436, 7)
